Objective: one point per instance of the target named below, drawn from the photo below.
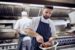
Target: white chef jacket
(20, 26)
(35, 22)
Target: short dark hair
(48, 7)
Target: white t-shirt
(20, 26)
(35, 22)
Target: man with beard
(41, 29)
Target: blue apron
(21, 36)
(45, 31)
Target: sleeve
(17, 25)
(31, 25)
(53, 29)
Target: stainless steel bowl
(53, 45)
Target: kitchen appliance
(68, 26)
(72, 17)
(65, 42)
(8, 39)
(8, 46)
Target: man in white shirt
(24, 40)
(41, 29)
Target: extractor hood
(67, 3)
(72, 17)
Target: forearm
(31, 32)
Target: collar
(44, 20)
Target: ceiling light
(12, 3)
(37, 5)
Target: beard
(46, 17)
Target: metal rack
(8, 46)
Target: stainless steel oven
(66, 42)
(66, 47)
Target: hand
(16, 32)
(50, 39)
(39, 39)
